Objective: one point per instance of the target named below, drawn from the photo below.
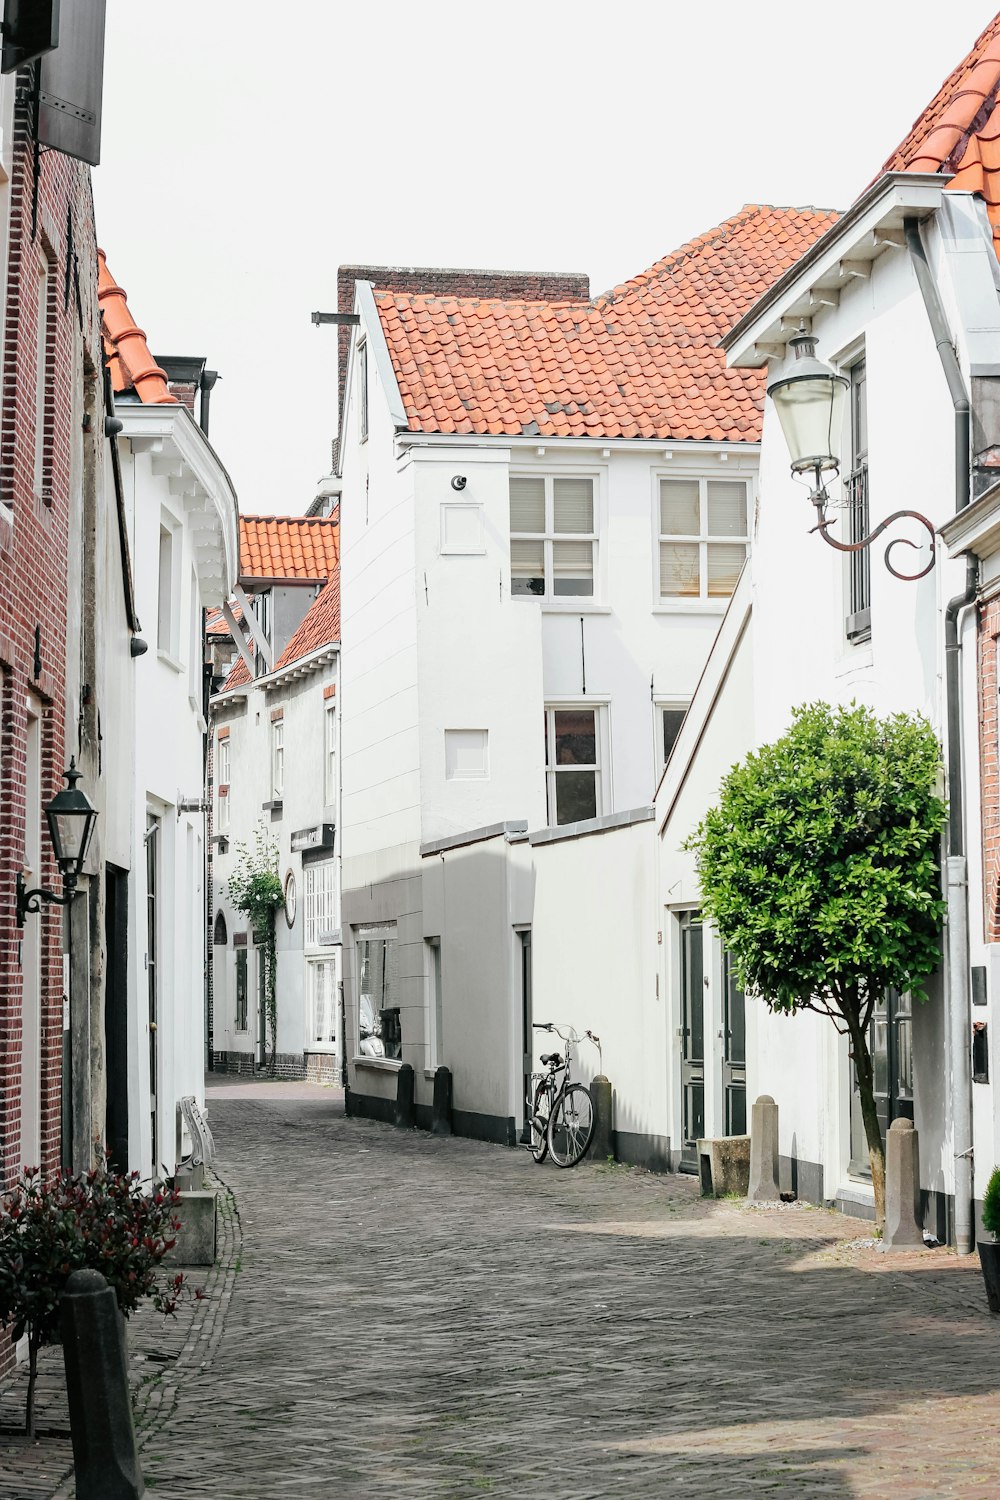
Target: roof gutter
(956, 882)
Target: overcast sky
(250, 148)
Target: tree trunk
(29, 1405)
(869, 1113)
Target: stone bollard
(902, 1188)
(602, 1145)
(763, 1187)
(100, 1411)
(441, 1116)
(405, 1116)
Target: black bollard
(602, 1147)
(441, 1118)
(100, 1411)
(405, 1115)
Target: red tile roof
(132, 366)
(238, 677)
(959, 131)
(293, 547)
(641, 361)
(321, 626)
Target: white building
(275, 768)
(181, 519)
(545, 508)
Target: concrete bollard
(405, 1116)
(763, 1186)
(100, 1411)
(902, 1188)
(441, 1115)
(602, 1146)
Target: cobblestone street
(400, 1315)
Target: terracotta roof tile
(642, 360)
(321, 626)
(959, 131)
(238, 677)
(303, 547)
(132, 366)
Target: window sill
(569, 607)
(693, 607)
(322, 1049)
(169, 661)
(379, 1064)
(274, 807)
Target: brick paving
(402, 1315)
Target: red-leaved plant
(102, 1221)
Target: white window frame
(433, 997)
(386, 932)
(277, 759)
(167, 590)
(319, 902)
(602, 771)
(197, 647)
(660, 704)
(330, 754)
(703, 600)
(42, 472)
(328, 1043)
(547, 537)
(223, 762)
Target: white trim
(364, 301)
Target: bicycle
(562, 1112)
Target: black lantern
(71, 817)
(810, 405)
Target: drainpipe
(956, 864)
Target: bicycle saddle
(554, 1057)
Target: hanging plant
(255, 889)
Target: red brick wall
(511, 286)
(989, 632)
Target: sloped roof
(959, 131)
(238, 677)
(642, 361)
(132, 366)
(292, 547)
(321, 626)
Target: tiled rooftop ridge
(959, 131)
(640, 361)
(131, 365)
(303, 548)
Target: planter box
(724, 1166)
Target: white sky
(250, 148)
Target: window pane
(727, 508)
(673, 718)
(576, 737)
(680, 507)
(679, 571)
(527, 568)
(576, 796)
(573, 505)
(527, 504)
(724, 564)
(572, 568)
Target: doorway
(152, 977)
(890, 1040)
(116, 1014)
(260, 1054)
(692, 1036)
(31, 950)
(527, 1036)
(734, 1051)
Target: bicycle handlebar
(568, 1033)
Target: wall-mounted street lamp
(810, 405)
(71, 817)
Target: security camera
(459, 482)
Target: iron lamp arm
(820, 500)
(31, 902)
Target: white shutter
(573, 506)
(527, 504)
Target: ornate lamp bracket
(821, 499)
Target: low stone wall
(291, 1065)
(322, 1067)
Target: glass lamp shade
(810, 406)
(71, 817)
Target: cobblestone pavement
(399, 1315)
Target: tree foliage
(255, 889)
(991, 1204)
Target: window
(433, 1027)
(859, 568)
(573, 764)
(222, 784)
(241, 989)
(379, 1029)
(330, 757)
(321, 902)
(44, 339)
(197, 646)
(323, 1004)
(466, 755)
(703, 537)
(363, 390)
(671, 716)
(261, 605)
(553, 537)
(165, 594)
(277, 759)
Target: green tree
(819, 865)
(255, 889)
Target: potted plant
(989, 1250)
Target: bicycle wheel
(538, 1125)
(571, 1125)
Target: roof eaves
(301, 666)
(893, 197)
(366, 305)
